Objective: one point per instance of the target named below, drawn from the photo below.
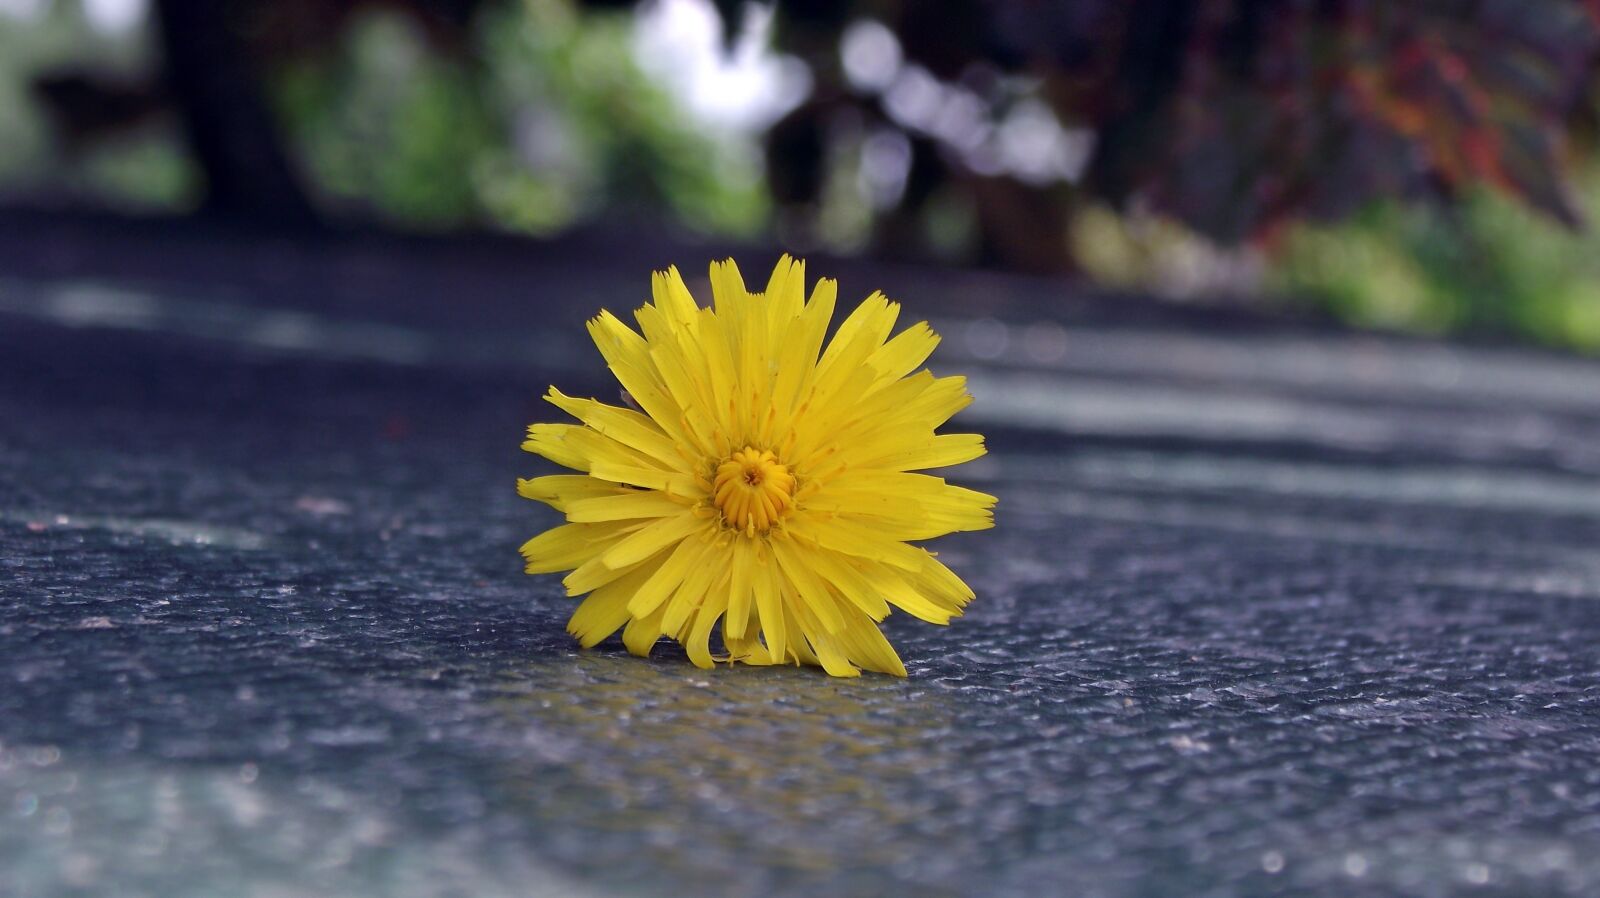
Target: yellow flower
(759, 484)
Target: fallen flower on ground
(761, 480)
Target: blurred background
(1426, 166)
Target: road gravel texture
(1270, 610)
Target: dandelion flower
(760, 480)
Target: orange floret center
(753, 490)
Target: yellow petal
(672, 483)
(595, 573)
(556, 490)
(694, 591)
(741, 585)
(606, 609)
(641, 633)
(941, 451)
(672, 297)
(652, 539)
(866, 646)
(668, 577)
(629, 504)
(892, 585)
(848, 582)
(812, 591)
(697, 641)
(855, 539)
(770, 608)
(569, 545)
(902, 354)
(626, 426)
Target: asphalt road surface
(1271, 609)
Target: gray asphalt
(1270, 610)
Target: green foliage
(611, 136)
(1234, 121)
(551, 123)
(386, 124)
(1488, 264)
(144, 170)
(143, 167)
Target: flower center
(752, 490)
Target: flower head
(764, 481)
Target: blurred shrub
(126, 158)
(1486, 264)
(1402, 164)
(385, 123)
(1232, 117)
(1141, 250)
(545, 122)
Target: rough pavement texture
(1269, 611)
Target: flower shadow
(782, 773)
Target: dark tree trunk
(231, 132)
